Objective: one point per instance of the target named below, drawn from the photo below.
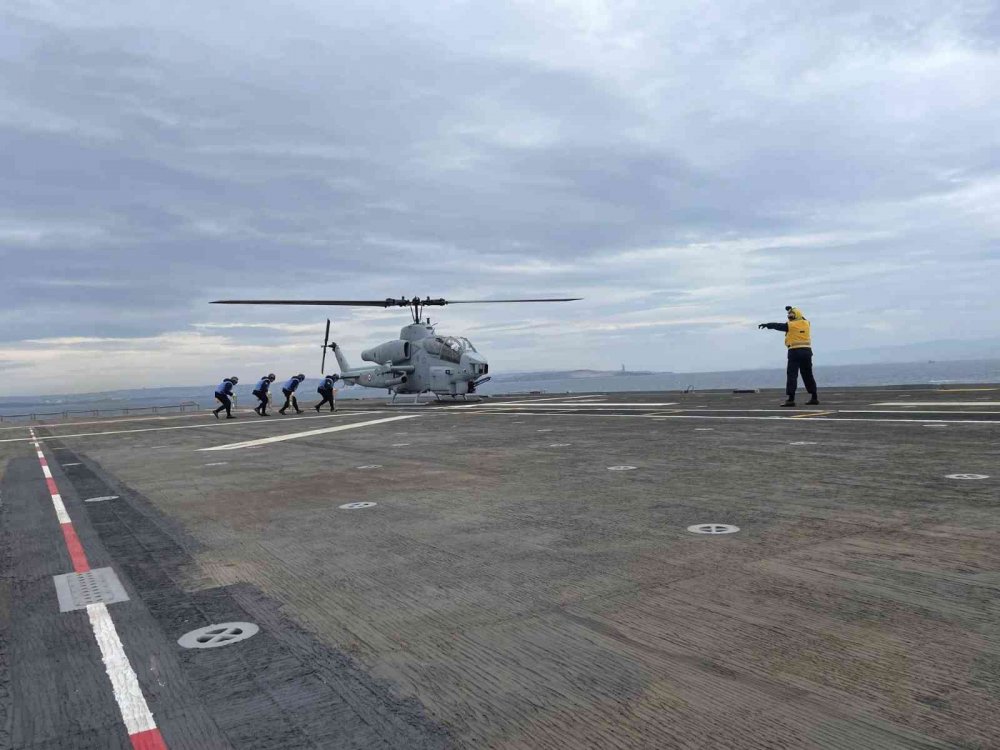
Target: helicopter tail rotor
(326, 345)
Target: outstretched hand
(762, 325)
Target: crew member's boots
(789, 403)
(281, 411)
(317, 408)
(216, 413)
(814, 401)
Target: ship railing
(38, 416)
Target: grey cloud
(157, 161)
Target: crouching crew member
(261, 391)
(289, 389)
(800, 354)
(223, 394)
(326, 391)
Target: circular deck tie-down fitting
(357, 506)
(713, 528)
(621, 468)
(369, 466)
(215, 636)
(967, 476)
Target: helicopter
(419, 361)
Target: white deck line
(213, 423)
(526, 401)
(938, 403)
(135, 712)
(791, 417)
(308, 433)
(578, 404)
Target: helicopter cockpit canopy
(449, 348)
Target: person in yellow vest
(800, 354)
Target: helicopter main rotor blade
(340, 302)
(489, 301)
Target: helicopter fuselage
(417, 362)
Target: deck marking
(78, 464)
(528, 401)
(812, 414)
(603, 405)
(308, 433)
(356, 506)
(100, 499)
(994, 422)
(135, 712)
(213, 423)
(939, 403)
(132, 705)
(968, 476)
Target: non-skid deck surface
(525, 577)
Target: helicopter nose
(477, 364)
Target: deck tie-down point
(713, 528)
(221, 634)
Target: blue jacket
(326, 386)
(263, 385)
(291, 384)
(224, 388)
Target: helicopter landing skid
(415, 402)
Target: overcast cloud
(689, 169)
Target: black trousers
(800, 361)
(327, 399)
(262, 397)
(227, 404)
(290, 400)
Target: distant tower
(623, 368)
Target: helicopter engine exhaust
(395, 381)
(391, 351)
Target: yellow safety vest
(797, 336)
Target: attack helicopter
(419, 361)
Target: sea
(176, 399)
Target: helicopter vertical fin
(345, 367)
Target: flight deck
(627, 570)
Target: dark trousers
(800, 361)
(290, 400)
(227, 404)
(327, 399)
(262, 397)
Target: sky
(687, 168)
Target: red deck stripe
(53, 489)
(76, 553)
(148, 740)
